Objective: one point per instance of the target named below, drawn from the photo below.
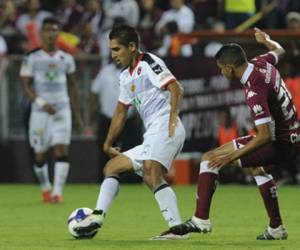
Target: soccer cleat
(57, 199)
(90, 224)
(279, 233)
(167, 235)
(193, 225)
(46, 196)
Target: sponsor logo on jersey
(257, 109)
(51, 75)
(156, 68)
(51, 66)
(295, 138)
(251, 94)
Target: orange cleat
(46, 196)
(56, 199)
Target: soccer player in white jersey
(48, 78)
(147, 84)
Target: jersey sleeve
(257, 100)
(159, 74)
(71, 65)
(270, 57)
(26, 67)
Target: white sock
(263, 178)
(61, 170)
(108, 191)
(42, 176)
(167, 202)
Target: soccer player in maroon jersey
(277, 139)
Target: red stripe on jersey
(124, 104)
(139, 58)
(165, 85)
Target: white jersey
(49, 72)
(144, 87)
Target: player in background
(148, 85)
(277, 137)
(48, 78)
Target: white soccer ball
(75, 217)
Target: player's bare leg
(61, 170)
(41, 171)
(108, 191)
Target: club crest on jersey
(257, 109)
(139, 70)
(132, 88)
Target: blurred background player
(147, 84)
(277, 138)
(47, 74)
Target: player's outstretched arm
(264, 38)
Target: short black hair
(125, 35)
(231, 53)
(50, 20)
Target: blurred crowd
(86, 23)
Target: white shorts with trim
(48, 130)
(157, 146)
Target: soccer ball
(75, 217)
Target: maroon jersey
(269, 99)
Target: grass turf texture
(237, 214)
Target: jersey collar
(247, 73)
(139, 58)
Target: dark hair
(231, 53)
(50, 20)
(125, 35)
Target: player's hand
(172, 126)
(260, 36)
(219, 161)
(111, 151)
(49, 109)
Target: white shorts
(157, 146)
(48, 130)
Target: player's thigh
(263, 156)
(39, 131)
(60, 150)
(161, 148)
(118, 165)
(223, 150)
(61, 127)
(153, 168)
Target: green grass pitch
(237, 214)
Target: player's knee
(206, 156)
(256, 171)
(108, 169)
(62, 158)
(39, 160)
(152, 176)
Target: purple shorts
(268, 154)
